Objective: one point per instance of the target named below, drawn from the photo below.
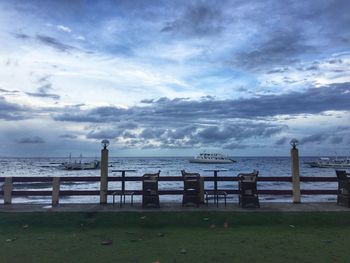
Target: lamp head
(105, 143)
(294, 143)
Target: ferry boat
(211, 158)
(79, 165)
(326, 162)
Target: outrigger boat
(79, 165)
(326, 162)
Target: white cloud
(64, 28)
(79, 37)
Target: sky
(174, 78)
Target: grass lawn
(175, 237)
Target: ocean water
(169, 166)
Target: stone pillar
(55, 191)
(104, 176)
(8, 191)
(294, 153)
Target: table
(216, 193)
(123, 193)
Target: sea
(169, 166)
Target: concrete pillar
(55, 191)
(8, 191)
(104, 176)
(294, 153)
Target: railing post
(104, 173)
(8, 191)
(201, 189)
(55, 191)
(295, 171)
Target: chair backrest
(249, 177)
(191, 181)
(343, 182)
(341, 175)
(189, 175)
(151, 177)
(150, 183)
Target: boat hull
(211, 161)
(335, 164)
(80, 166)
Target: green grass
(151, 237)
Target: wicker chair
(248, 193)
(191, 193)
(150, 195)
(343, 196)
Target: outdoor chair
(343, 196)
(150, 195)
(191, 193)
(248, 193)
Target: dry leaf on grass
(107, 242)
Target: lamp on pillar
(294, 153)
(105, 143)
(294, 143)
(104, 172)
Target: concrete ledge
(174, 207)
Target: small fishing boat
(214, 158)
(326, 162)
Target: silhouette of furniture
(248, 193)
(191, 192)
(123, 193)
(150, 195)
(343, 196)
(217, 194)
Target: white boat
(326, 162)
(79, 165)
(211, 158)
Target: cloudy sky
(174, 77)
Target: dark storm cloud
(104, 134)
(315, 138)
(8, 91)
(48, 41)
(43, 91)
(96, 115)
(281, 141)
(238, 131)
(332, 137)
(43, 95)
(290, 35)
(182, 132)
(147, 101)
(176, 123)
(335, 61)
(314, 100)
(282, 48)
(152, 133)
(336, 140)
(197, 20)
(54, 43)
(278, 70)
(31, 140)
(21, 36)
(11, 111)
(127, 125)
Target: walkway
(175, 207)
